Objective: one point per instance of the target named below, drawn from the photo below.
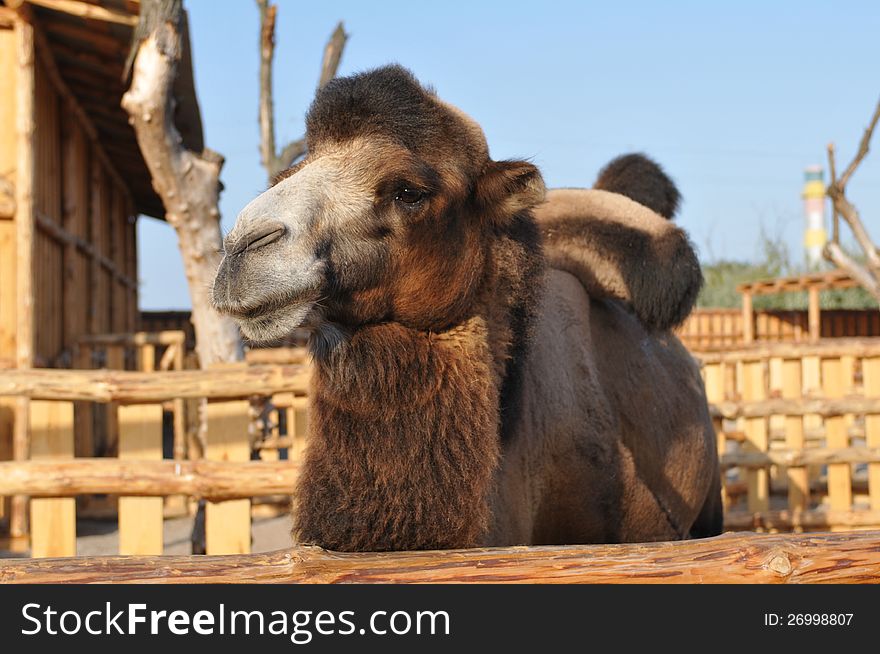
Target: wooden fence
(798, 433)
(719, 329)
(139, 475)
(728, 559)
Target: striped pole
(814, 212)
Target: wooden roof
(90, 41)
(823, 281)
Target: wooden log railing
(727, 559)
(151, 387)
(211, 480)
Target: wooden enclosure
(228, 480)
(798, 430)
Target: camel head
(388, 218)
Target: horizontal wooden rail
(731, 558)
(817, 456)
(167, 337)
(140, 387)
(832, 348)
(825, 407)
(822, 518)
(211, 480)
(285, 355)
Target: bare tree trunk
(187, 182)
(272, 162)
(867, 274)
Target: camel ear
(508, 187)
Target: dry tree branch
(332, 55)
(835, 217)
(267, 109)
(863, 148)
(273, 161)
(188, 182)
(869, 274)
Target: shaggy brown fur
(462, 394)
(643, 180)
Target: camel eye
(409, 196)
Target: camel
(490, 368)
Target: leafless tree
(187, 181)
(273, 160)
(868, 273)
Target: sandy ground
(101, 537)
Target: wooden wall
(85, 249)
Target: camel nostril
(260, 238)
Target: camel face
(352, 234)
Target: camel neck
(406, 425)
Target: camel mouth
(273, 320)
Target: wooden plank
(130, 387)
(871, 376)
(758, 496)
(812, 456)
(140, 518)
(53, 521)
(811, 377)
(856, 347)
(24, 224)
(748, 318)
(798, 480)
(839, 474)
(8, 246)
(731, 558)
(814, 318)
(213, 480)
(714, 382)
(83, 10)
(115, 361)
(228, 524)
(776, 421)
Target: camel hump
(641, 179)
(623, 250)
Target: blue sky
(734, 99)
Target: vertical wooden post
(839, 474)
(146, 357)
(811, 378)
(871, 374)
(24, 228)
(714, 381)
(179, 408)
(228, 524)
(748, 318)
(53, 521)
(140, 518)
(775, 423)
(85, 440)
(798, 480)
(115, 361)
(756, 436)
(814, 319)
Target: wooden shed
(72, 184)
